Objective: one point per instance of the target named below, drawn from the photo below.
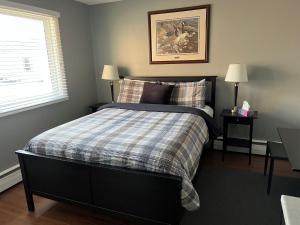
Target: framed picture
(179, 35)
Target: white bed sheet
(208, 110)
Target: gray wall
(16, 130)
(264, 34)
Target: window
(31, 62)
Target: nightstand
(235, 118)
(96, 106)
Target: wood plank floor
(13, 209)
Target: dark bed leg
(212, 146)
(28, 194)
(178, 216)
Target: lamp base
(234, 109)
(236, 90)
(112, 90)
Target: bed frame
(142, 195)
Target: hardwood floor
(13, 209)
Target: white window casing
(32, 70)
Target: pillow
(156, 93)
(130, 91)
(191, 94)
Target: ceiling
(95, 2)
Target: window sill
(33, 107)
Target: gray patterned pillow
(130, 91)
(191, 94)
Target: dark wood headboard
(210, 81)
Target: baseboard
(10, 177)
(258, 147)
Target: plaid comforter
(164, 142)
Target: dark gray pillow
(156, 93)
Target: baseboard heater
(258, 147)
(10, 177)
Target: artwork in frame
(179, 35)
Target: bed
(104, 182)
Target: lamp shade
(237, 73)
(110, 72)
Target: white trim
(34, 107)
(258, 147)
(11, 179)
(29, 8)
(9, 170)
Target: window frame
(42, 12)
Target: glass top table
(291, 142)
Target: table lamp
(236, 74)
(110, 73)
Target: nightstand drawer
(239, 120)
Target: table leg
(250, 138)
(225, 128)
(270, 176)
(266, 160)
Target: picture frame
(179, 35)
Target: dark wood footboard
(145, 195)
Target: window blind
(31, 61)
